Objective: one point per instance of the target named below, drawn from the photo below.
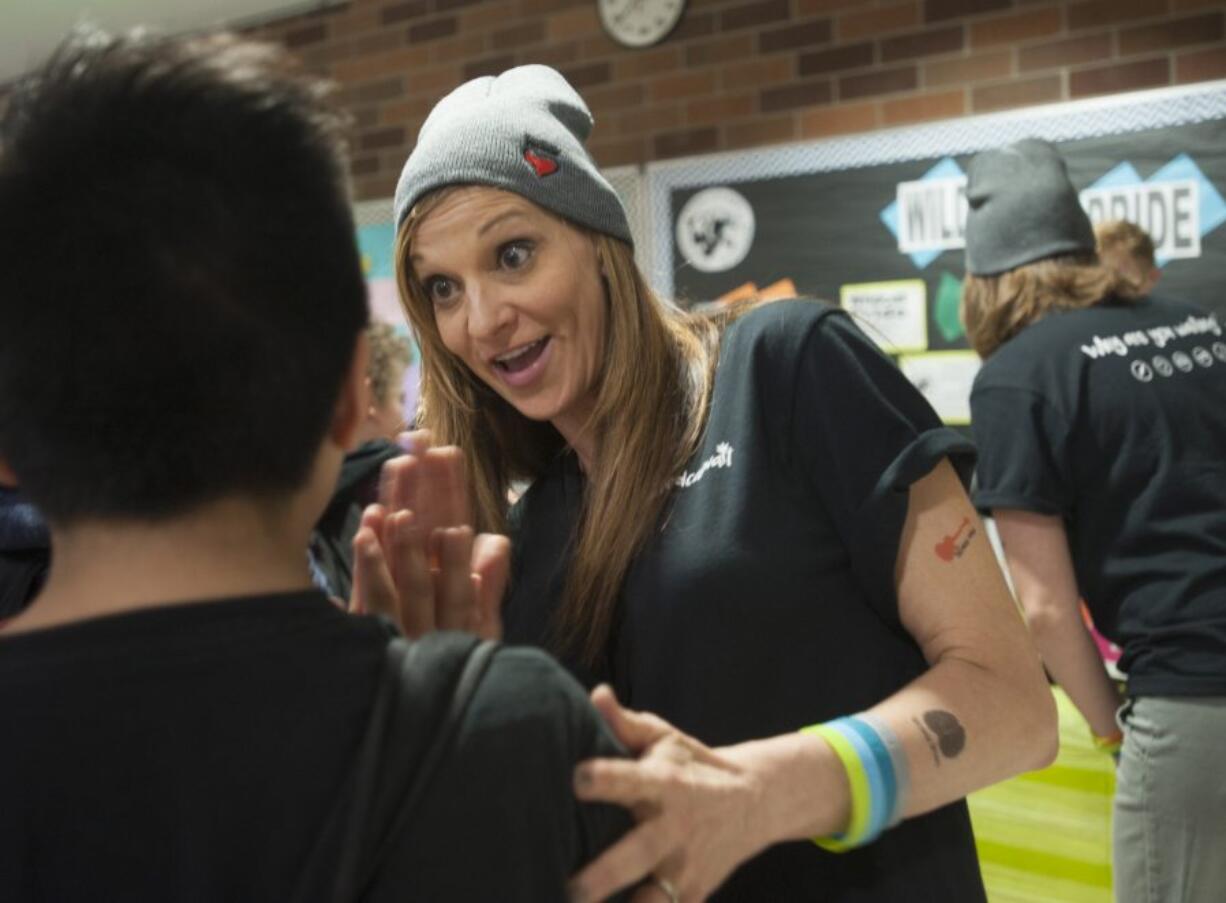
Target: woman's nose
(489, 313)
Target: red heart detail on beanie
(543, 166)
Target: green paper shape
(949, 300)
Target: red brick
(1119, 78)
(641, 122)
(364, 166)
(573, 22)
(372, 92)
(615, 97)
(532, 32)
(556, 55)
(849, 56)
(375, 188)
(619, 152)
(686, 143)
(974, 68)
(402, 12)
(1017, 27)
(1202, 65)
(813, 7)
(447, 5)
(866, 23)
(719, 50)
(694, 26)
(392, 136)
(757, 13)
(884, 81)
(309, 34)
(1018, 93)
(1181, 6)
(1108, 12)
(462, 47)
(940, 10)
(490, 65)
(926, 107)
(712, 110)
(586, 76)
(487, 16)
(840, 120)
(756, 73)
(1067, 52)
(759, 132)
(683, 85)
(1170, 34)
(647, 62)
(921, 43)
(799, 94)
(795, 35)
(376, 42)
(433, 30)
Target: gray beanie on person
(522, 131)
(1023, 208)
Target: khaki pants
(1170, 801)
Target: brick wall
(738, 74)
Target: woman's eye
(515, 254)
(439, 289)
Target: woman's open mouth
(521, 366)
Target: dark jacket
(357, 487)
(25, 552)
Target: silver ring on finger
(667, 887)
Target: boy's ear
(351, 403)
(7, 477)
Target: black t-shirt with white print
(1114, 418)
(766, 600)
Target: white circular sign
(1202, 356)
(715, 230)
(1219, 351)
(1182, 361)
(1162, 365)
(1141, 371)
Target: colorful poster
(893, 314)
(945, 379)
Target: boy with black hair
(181, 366)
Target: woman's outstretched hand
(698, 811)
(416, 559)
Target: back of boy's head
(179, 288)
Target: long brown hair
(649, 414)
(997, 308)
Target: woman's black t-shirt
(766, 600)
(1114, 418)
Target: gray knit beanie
(522, 131)
(1023, 208)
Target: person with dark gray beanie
(745, 524)
(1100, 418)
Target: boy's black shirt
(1114, 418)
(194, 752)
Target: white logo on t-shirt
(721, 458)
(1141, 371)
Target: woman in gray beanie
(1101, 424)
(747, 525)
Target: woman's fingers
(411, 574)
(415, 442)
(636, 730)
(627, 862)
(491, 564)
(374, 591)
(456, 603)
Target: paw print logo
(1162, 365)
(1202, 356)
(1182, 361)
(1142, 372)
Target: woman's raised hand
(416, 559)
(696, 809)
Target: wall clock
(639, 23)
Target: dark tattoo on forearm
(953, 545)
(944, 733)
